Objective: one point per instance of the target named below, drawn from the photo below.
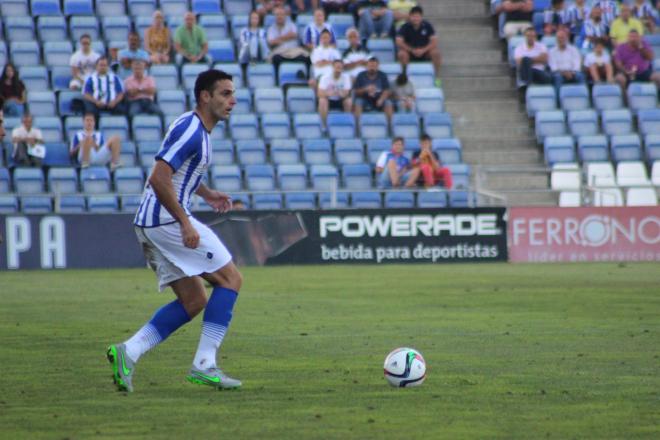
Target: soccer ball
(405, 367)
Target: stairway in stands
(488, 118)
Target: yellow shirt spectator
(620, 29)
(401, 8)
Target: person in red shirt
(141, 91)
(427, 166)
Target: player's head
(397, 145)
(89, 123)
(2, 119)
(214, 93)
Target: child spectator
(322, 58)
(427, 168)
(89, 147)
(13, 91)
(404, 93)
(82, 62)
(253, 44)
(28, 144)
(393, 168)
(157, 40)
(599, 63)
(312, 34)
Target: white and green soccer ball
(405, 367)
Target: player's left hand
(219, 201)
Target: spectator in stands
(89, 147)
(404, 93)
(375, 18)
(565, 62)
(2, 126)
(28, 143)
(578, 13)
(401, 10)
(531, 60)
(393, 168)
(312, 34)
(103, 91)
(594, 28)
(372, 91)
(13, 91)
(599, 63)
(610, 10)
(237, 205)
(356, 56)
(416, 41)
(253, 44)
(322, 58)
(131, 53)
(634, 61)
(555, 18)
(190, 41)
(518, 16)
(302, 6)
(427, 168)
(282, 38)
(644, 12)
(141, 91)
(157, 40)
(623, 24)
(336, 6)
(334, 91)
(82, 62)
(266, 7)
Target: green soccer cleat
(122, 367)
(213, 377)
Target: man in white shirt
(565, 62)
(531, 60)
(356, 56)
(83, 62)
(28, 143)
(334, 92)
(282, 37)
(322, 58)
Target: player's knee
(195, 304)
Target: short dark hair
(557, 2)
(416, 10)
(398, 139)
(89, 37)
(206, 81)
(402, 79)
(325, 31)
(601, 41)
(424, 137)
(531, 28)
(102, 57)
(2, 102)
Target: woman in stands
(253, 44)
(157, 40)
(13, 91)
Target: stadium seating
(285, 151)
(226, 177)
(340, 200)
(36, 204)
(95, 180)
(366, 199)
(302, 200)
(267, 201)
(641, 197)
(432, 199)
(399, 199)
(593, 148)
(28, 180)
(631, 174)
(70, 204)
(48, 28)
(349, 151)
(292, 177)
(260, 177)
(356, 176)
(559, 149)
(251, 151)
(317, 151)
(341, 125)
(103, 204)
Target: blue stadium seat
(116, 28)
(251, 151)
(366, 200)
(317, 151)
(127, 154)
(223, 152)
(626, 147)
(36, 204)
(449, 150)
(267, 201)
(373, 126)
(4, 180)
(3, 53)
(129, 203)
(411, 144)
(129, 180)
(537, 18)
(438, 125)
(405, 125)
(20, 29)
(243, 101)
(102, 204)
(292, 177)
(574, 97)
(63, 180)
(559, 149)
(237, 22)
(462, 199)
(260, 177)
(652, 148)
(57, 155)
(205, 7)
(42, 103)
(114, 125)
(422, 75)
(583, 122)
(276, 125)
(78, 7)
(341, 23)
(8, 204)
(226, 177)
(549, 123)
(392, 70)
(78, 26)
(460, 173)
(642, 96)
(260, 76)
(292, 74)
(234, 70)
(300, 100)
(356, 177)
(237, 7)
(57, 53)
(50, 28)
(269, 100)
(593, 148)
(95, 180)
(383, 48)
(60, 77)
(173, 22)
(147, 152)
(51, 128)
(178, 7)
(326, 202)
(45, 7)
(219, 132)
(172, 102)
(349, 151)
(244, 126)
(400, 199)
(649, 121)
(540, 98)
(607, 97)
(324, 177)
(302, 200)
(432, 199)
(375, 147)
(189, 73)
(307, 125)
(341, 125)
(14, 8)
(147, 128)
(109, 8)
(28, 180)
(72, 124)
(166, 76)
(71, 204)
(24, 53)
(65, 99)
(617, 121)
(143, 8)
(35, 78)
(221, 51)
(285, 151)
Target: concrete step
(476, 119)
(472, 57)
(505, 106)
(479, 95)
(452, 43)
(439, 21)
(516, 182)
(518, 144)
(495, 130)
(458, 32)
(499, 157)
(532, 199)
(455, 8)
(479, 69)
(499, 82)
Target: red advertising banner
(584, 234)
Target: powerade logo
(459, 225)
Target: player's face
(222, 100)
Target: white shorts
(171, 260)
(97, 157)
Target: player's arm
(218, 200)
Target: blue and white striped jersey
(187, 150)
(80, 136)
(106, 87)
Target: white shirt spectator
(601, 60)
(332, 85)
(568, 59)
(84, 62)
(522, 50)
(352, 56)
(321, 53)
(21, 132)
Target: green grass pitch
(513, 351)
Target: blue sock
(217, 317)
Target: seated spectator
(131, 53)
(322, 58)
(594, 28)
(393, 168)
(404, 93)
(13, 91)
(356, 56)
(427, 169)
(140, 90)
(610, 10)
(416, 41)
(532, 60)
(89, 147)
(336, 6)
(312, 34)
(623, 24)
(372, 91)
(237, 205)
(253, 44)
(282, 38)
(555, 18)
(82, 62)
(401, 10)
(266, 7)
(334, 91)
(157, 40)
(375, 19)
(518, 16)
(599, 63)
(190, 41)
(565, 62)
(578, 13)
(103, 91)
(634, 61)
(302, 6)
(644, 12)
(28, 143)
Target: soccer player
(182, 251)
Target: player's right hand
(190, 235)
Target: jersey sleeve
(182, 142)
